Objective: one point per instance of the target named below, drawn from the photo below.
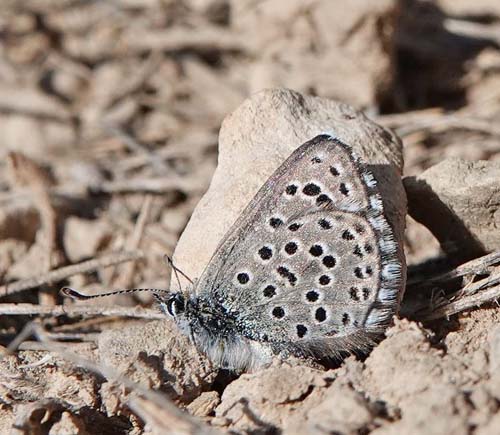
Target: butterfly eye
(175, 304)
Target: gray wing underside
(311, 262)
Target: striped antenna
(75, 294)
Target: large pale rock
(407, 373)
(272, 395)
(400, 388)
(406, 350)
(338, 409)
(459, 201)
(257, 137)
(297, 400)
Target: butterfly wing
(310, 266)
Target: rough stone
(339, 409)
(157, 355)
(69, 424)
(491, 427)
(266, 399)
(204, 404)
(405, 350)
(442, 411)
(459, 201)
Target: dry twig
(476, 266)
(436, 121)
(134, 241)
(77, 310)
(177, 38)
(481, 292)
(148, 185)
(470, 295)
(65, 272)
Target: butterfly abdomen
(219, 334)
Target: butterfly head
(179, 307)
(175, 305)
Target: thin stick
(65, 272)
(78, 310)
(434, 120)
(134, 242)
(462, 304)
(470, 296)
(476, 266)
(37, 346)
(177, 38)
(450, 121)
(157, 185)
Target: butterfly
(309, 269)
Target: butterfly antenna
(158, 299)
(169, 261)
(177, 271)
(75, 294)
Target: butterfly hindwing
(311, 262)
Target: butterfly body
(309, 269)
(219, 334)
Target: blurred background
(109, 119)
(110, 110)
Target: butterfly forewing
(312, 258)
